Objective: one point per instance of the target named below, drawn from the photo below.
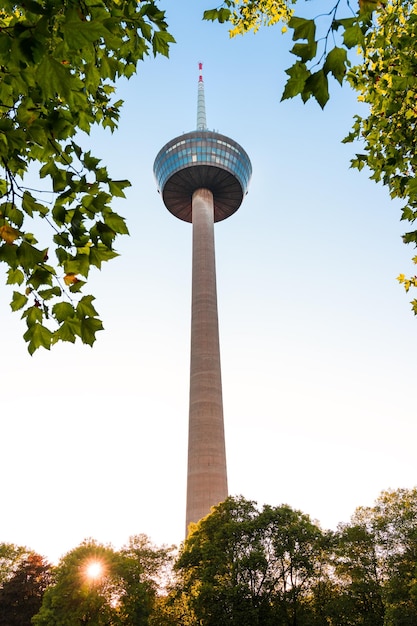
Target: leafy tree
(241, 565)
(250, 15)
(21, 595)
(386, 81)
(59, 62)
(244, 565)
(319, 49)
(373, 48)
(358, 598)
(171, 609)
(10, 559)
(375, 563)
(394, 521)
(144, 569)
(96, 585)
(82, 595)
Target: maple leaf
(70, 279)
(8, 233)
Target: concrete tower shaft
(203, 177)
(207, 474)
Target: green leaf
(412, 187)
(345, 23)
(59, 180)
(76, 287)
(85, 120)
(68, 331)
(303, 28)
(78, 265)
(59, 214)
(53, 78)
(28, 203)
(88, 328)
(116, 187)
(63, 311)
(353, 36)
(32, 49)
(89, 161)
(29, 256)
(18, 301)
(98, 202)
(8, 254)
(38, 336)
(360, 161)
(298, 74)
(62, 255)
(410, 237)
(15, 215)
(15, 277)
(104, 232)
(33, 315)
(336, 63)
(40, 276)
(116, 223)
(47, 294)
(34, 7)
(3, 187)
(306, 51)
(85, 307)
(317, 85)
(99, 254)
(161, 41)
(48, 169)
(79, 33)
(220, 15)
(408, 214)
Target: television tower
(203, 177)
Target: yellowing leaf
(70, 279)
(8, 233)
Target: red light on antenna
(200, 66)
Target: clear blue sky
(318, 340)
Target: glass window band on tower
(202, 159)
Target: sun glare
(94, 570)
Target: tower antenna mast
(201, 102)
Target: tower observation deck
(203, 177)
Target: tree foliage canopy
(22, 592)
(59, 62)
(244, 565)
(373, 48)
(241, 565)
(11, 557)
(97, 585)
